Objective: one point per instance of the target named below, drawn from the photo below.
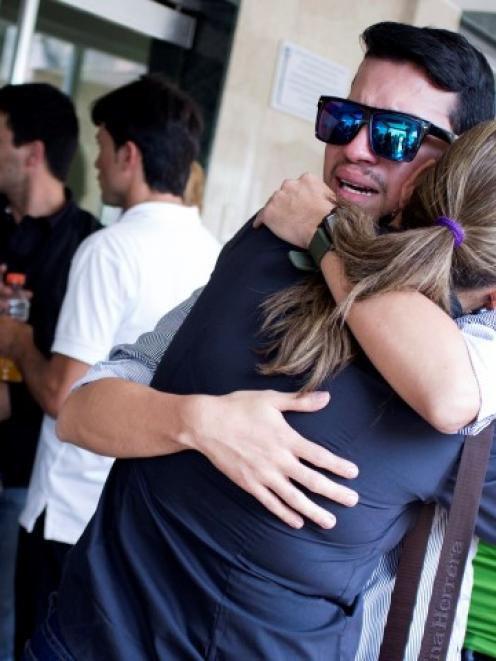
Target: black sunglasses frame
(426, 127)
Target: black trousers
(38, 571)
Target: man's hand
(244, 434)
(13, 335)
(294, 211)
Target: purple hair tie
(454, 227)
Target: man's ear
(411, 181)
(129, 154)
(35, 153)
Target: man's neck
(141, 194)
(40, 196)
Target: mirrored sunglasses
(392, 135)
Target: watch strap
(309, 260)
(319, 245)
(302, 260)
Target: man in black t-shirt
(40, 229)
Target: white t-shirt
(122, 279)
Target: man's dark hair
(39, 111)
(162, 121)
(449, 61)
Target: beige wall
(255, 146)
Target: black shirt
(179, 563)
(42, 248)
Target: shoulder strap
(404, 595)
(454, 552)
(456, 545)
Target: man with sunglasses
(401, 114)
(414, 89)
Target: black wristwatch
(321, 241)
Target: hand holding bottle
(14, 312)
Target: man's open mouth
(344, 184)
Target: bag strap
(456, 545)
(451, 567)
(404, 595)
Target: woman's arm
(417, 348)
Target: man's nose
(359, 148)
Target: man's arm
(412, 343)
(479, 333)
(48, 379)
(244, 434)
(86, 324)
(88, 419)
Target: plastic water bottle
(17, 306)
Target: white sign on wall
(302, 77)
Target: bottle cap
(18, 279)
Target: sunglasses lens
(338, 122)
(394, 137)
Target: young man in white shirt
(119, 285)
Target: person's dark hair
(449, 61)
(161, 120)
(39, 111)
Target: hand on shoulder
(293, 212)
(244, 434)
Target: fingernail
(351, 499)
(328, 521)
(351, 471)
(321, 396)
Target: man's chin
(371, 204)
